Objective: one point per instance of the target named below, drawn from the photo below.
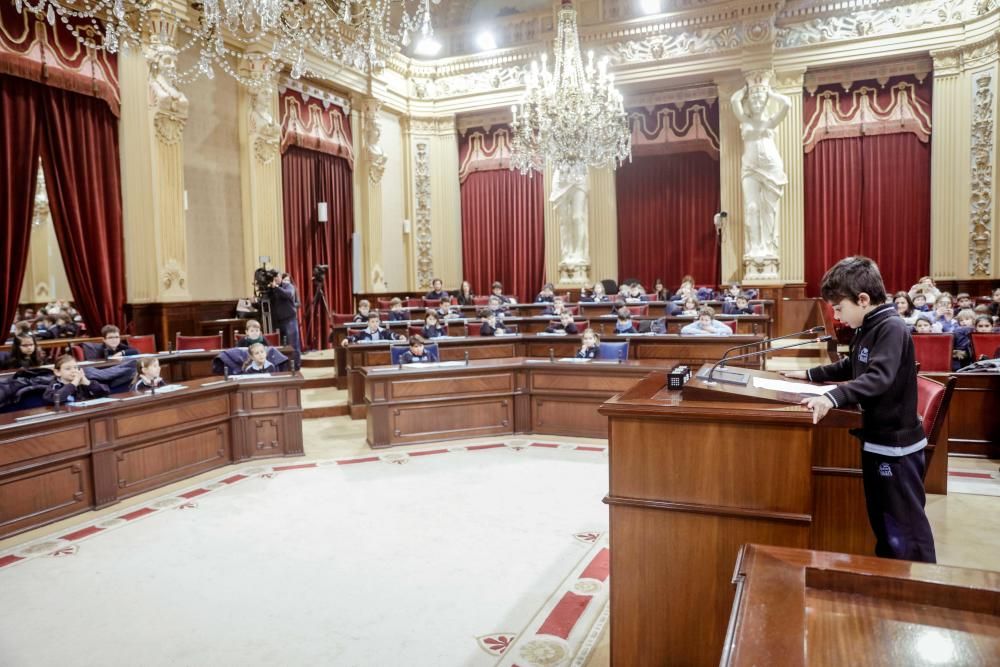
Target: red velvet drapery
(665, 208)
(83, 178)
(503, 232)
(310, 177)
(870, 194)
(19, 147)
(77, 137)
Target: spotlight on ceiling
(650, 6)
(427, 46)
(485, 41)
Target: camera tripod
(319, 299)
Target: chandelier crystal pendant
(572, 116)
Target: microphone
(709, 377)
(466, 357)
(552, 356)
(814, 330)
(620, 360)
(225, 372)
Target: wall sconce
(321, 212)
(720, 221)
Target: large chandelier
(572, 117)
(269, 34)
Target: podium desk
(796, 607)
(694, 475)
(413, 404)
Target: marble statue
(763, 173)
(569, 200)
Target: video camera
(263, 280)
(319, 272)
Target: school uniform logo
(884, 470)
(863, 355)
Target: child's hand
(117, 355)
(795, 375)
(820, 405)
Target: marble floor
(966, 526)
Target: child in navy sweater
(71, 385)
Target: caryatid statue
(569, 199)
(763, 173)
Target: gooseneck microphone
(814, 330)
(710, 376)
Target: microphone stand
(814, 330)
(709, 377)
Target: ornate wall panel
(982, 155)
(315, 123)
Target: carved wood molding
(422, 226)
(982, 156)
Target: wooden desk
(692, 350)
(86, 458)
(693, 479)
(57, 345)
(796, 608)
(494, 397)
(973, 427)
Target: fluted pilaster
(603, 225)
(792, 211)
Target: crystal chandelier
(572, 117)
(268, 34)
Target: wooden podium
(694, 475)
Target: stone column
(260, 170)
(551, 229)
(792, 214)
(151, 129)
(949, 148)
(603, 225)
(368, 191)
(730, 190)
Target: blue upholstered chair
(613, 351)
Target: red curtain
(19, 149)
(310, 177)
(868, 195)
(503, 232)
(666, 204)
(82, 175)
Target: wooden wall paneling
(176, 413)
(973, 427)
(576, 416)
(149, 465)
(45, 494)
(424, 422)
(166, 319)
(60, 440)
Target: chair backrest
(144, 344)
(639, 311)
(182, 342)
(933, 352)
(730, 323)
(582, 325)
(565, 297)
(573, 310)
(933, 399)
(984, 344)
(77, 351)
(610, 286)
(613, 350)
(432, 303)
(473, 328)
(385, 303)
(414, 302)
(412, 330)
(343, 318)
(273, 339)
(481, 300)
(758, 308)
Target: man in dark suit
(284, 313)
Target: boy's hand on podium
(819, 405)
(795, 375)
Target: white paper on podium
(792, 387)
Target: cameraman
(284, 313)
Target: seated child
(963, 301)
(624, 325)
(147, 375)
(436, 291)
(924, 325)
(257, 360)
(596, 294)
(364, 308)
(431, 327)
(920, 302)
(588, 345)
(491, 325)
(71, 384)
(962, 332)
(925, 286)
(396, 311)
(113, 347)
(546, 295)
(24, 353)
(372, 332)
(944, 314)
(417, 352)
(706, 325)
(564, 325)
(556, 307)
(995, 305)
(904, 307)
(498, 307)
(636, 294)
(732, 292)
(690, 307)
(446, 310)
(497, 290)
(685, 290)
(660, 292)
(739, 306)
(253, 335)
(984, 324)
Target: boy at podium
(881, 377)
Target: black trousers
(894, 494)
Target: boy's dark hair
(109, 329)
(63, 360)
(373, 315)
(851, 277)
(497, 285)
(417, 339)
(705, 310)
(485, 313)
